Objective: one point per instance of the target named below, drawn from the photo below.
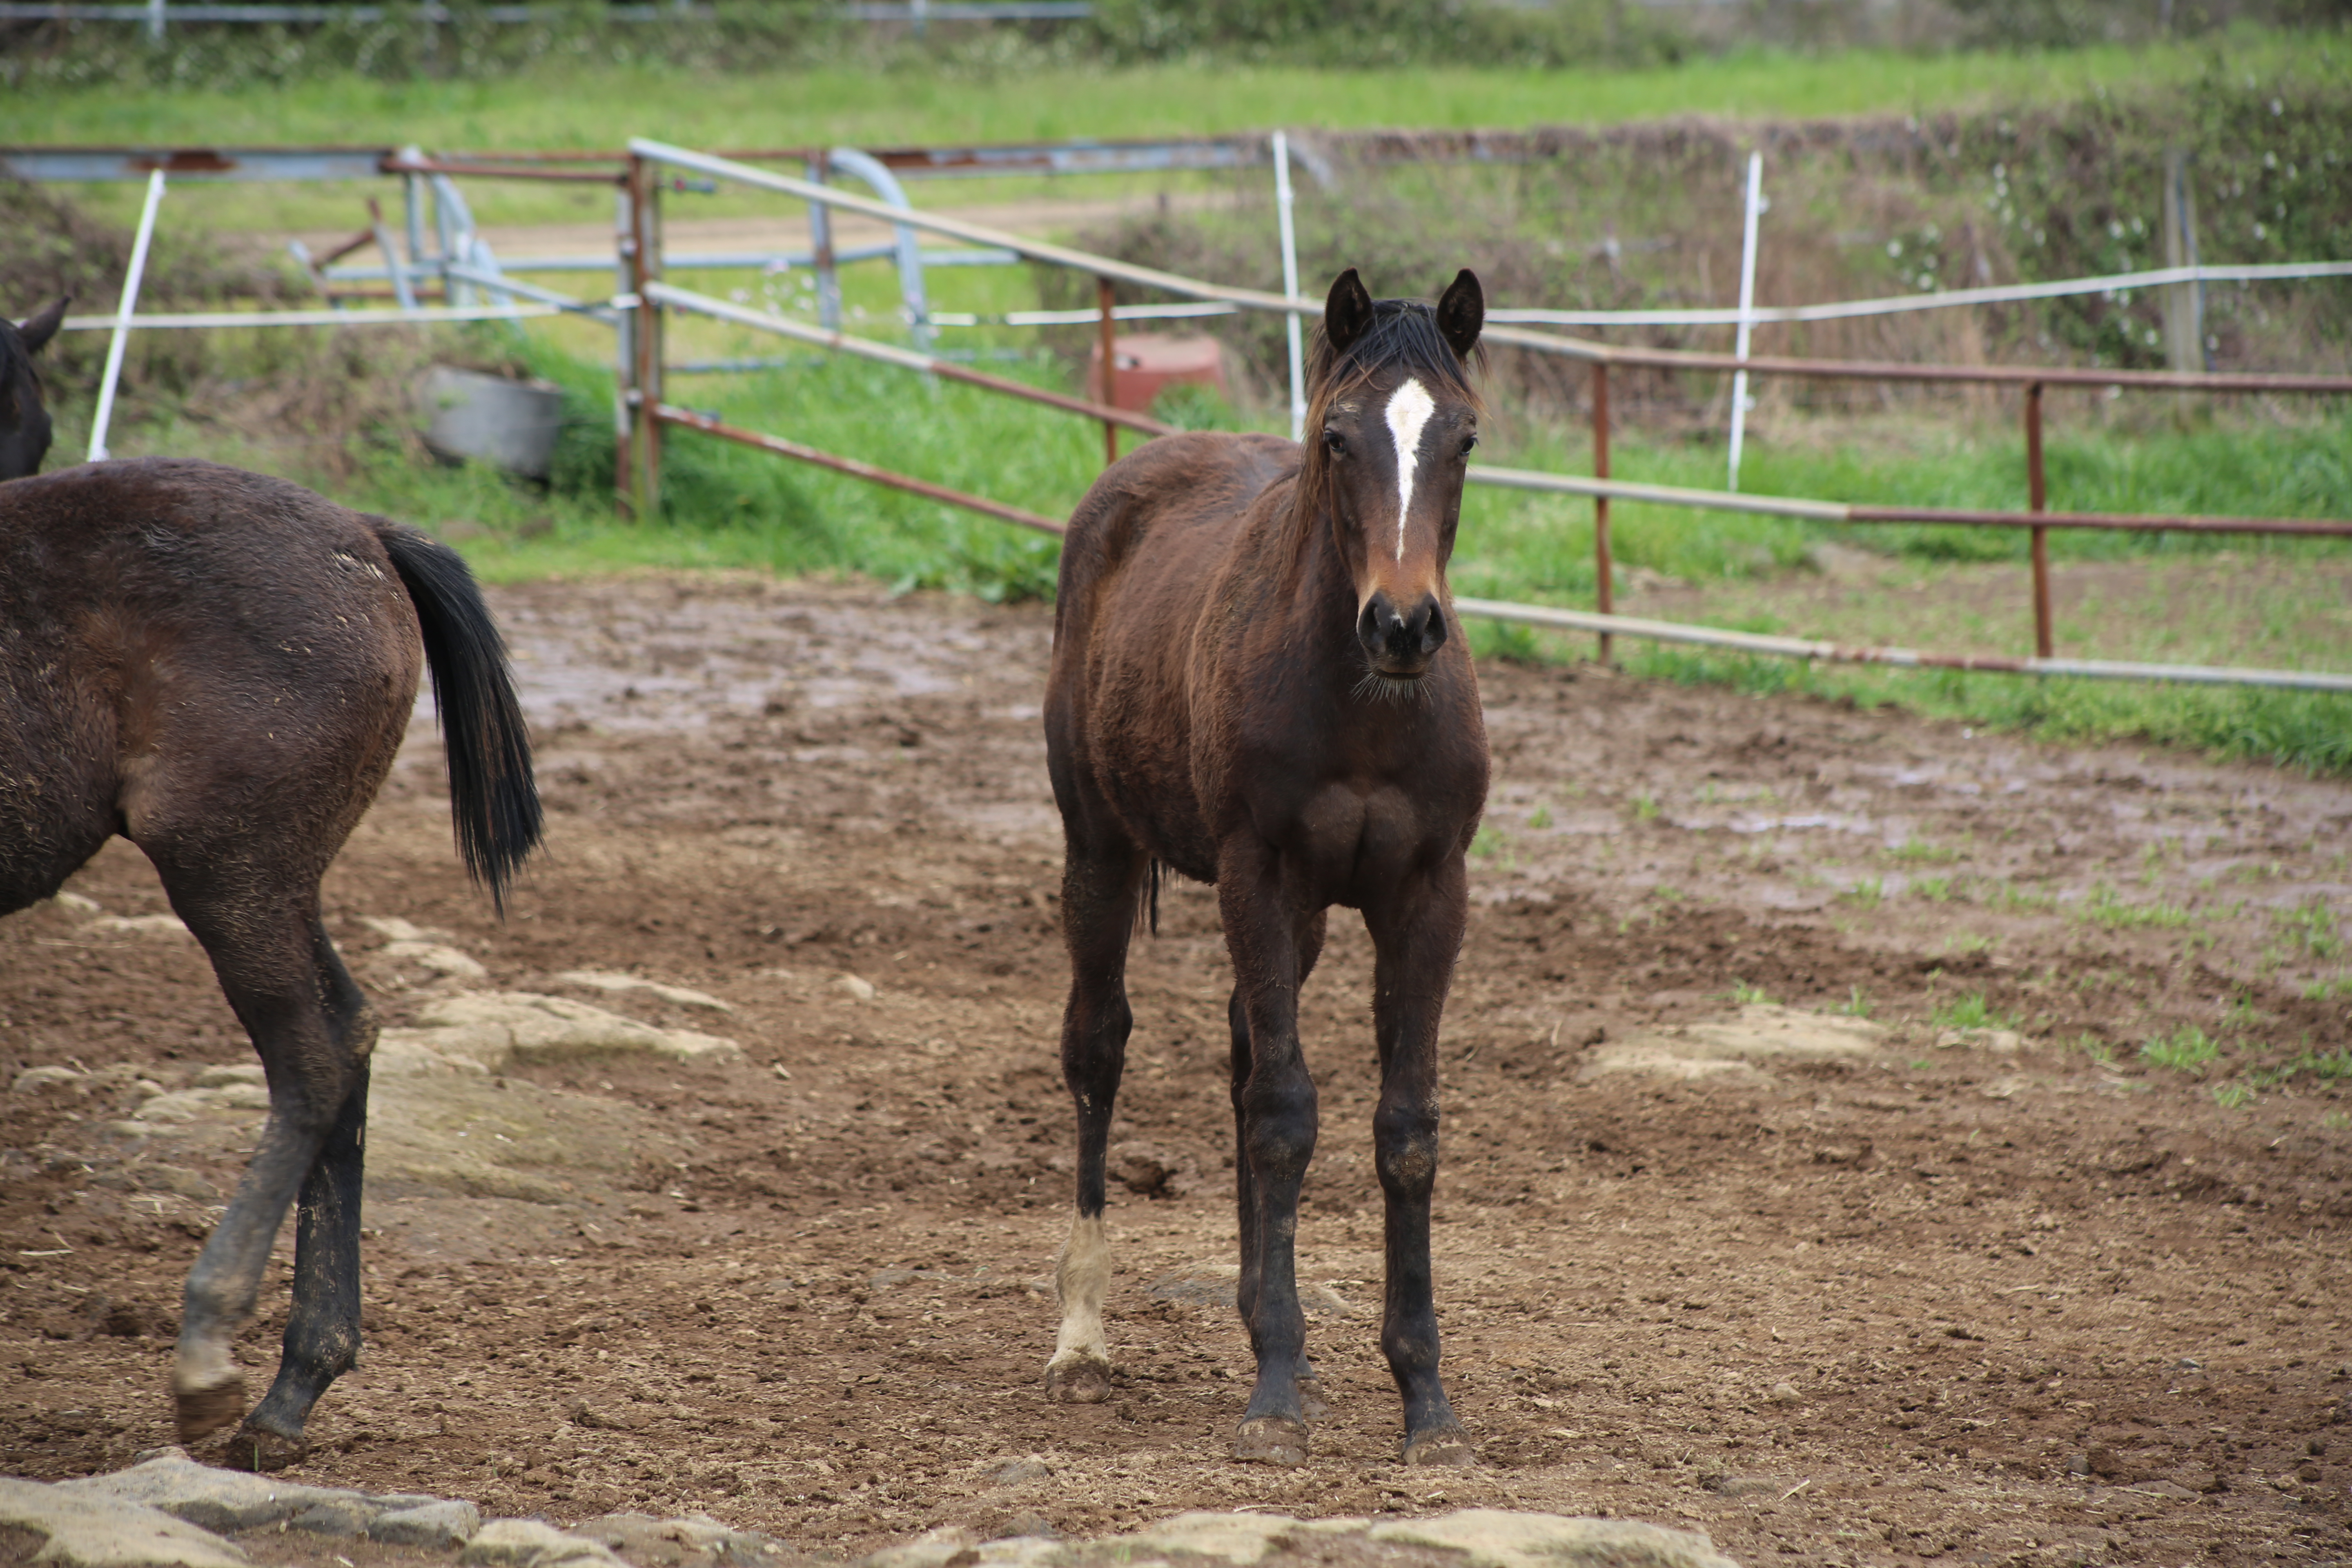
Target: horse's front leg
(1274, 1116)
(1416, 935)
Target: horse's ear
(1347, 313)
(37, 331)
(1461, 313)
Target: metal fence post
(1105, 303)
(156, 13)
(122, 314)
(644, 213)
(625, 348)
(1282, 203)
(2037, 498)
(1606, 600)
(1755, 209)
(2184, 303)
(828, 278)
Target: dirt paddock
(1954, 1295)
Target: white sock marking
(1409, 409)
(1082, 1278)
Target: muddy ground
(2053, 1305)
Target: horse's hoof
(1271, 1440)
(1311, 1402)
(1078, 1382)
(1444, 1446)
(201, 1412)
(258, 1449)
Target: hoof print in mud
(260, 1451)
(201, 1412)
(1271, 1440)
(1078, 1382)
(1447, 1446)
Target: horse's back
(1143, 551)
(1187, 489)
(182, 639)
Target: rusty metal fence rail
(650, 413)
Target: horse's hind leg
(314, 1031)
(1100, 889)
(323, 1331)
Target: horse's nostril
(1432, 631)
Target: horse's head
(1388, 433)
(23, 419)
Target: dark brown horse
(1256, 682)
(219, 667)
(24, 418)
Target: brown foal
(1258, 683)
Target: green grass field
(571, 107)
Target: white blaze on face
(1409, 409)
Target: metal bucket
(490, 418)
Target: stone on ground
(1739, 1049)
(208, 1498)
(528, 1544)
(442, 1526)
(97, 1530)
(1493, 1538)
(485, 1030)
(607, 980)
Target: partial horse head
(23, 419)
(1390, 424)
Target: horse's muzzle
(1400, 643)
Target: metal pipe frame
(663, 413)
(906, 359)
(1899, 657)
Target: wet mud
(1992, 1287)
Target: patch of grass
(1856, 1004)
(2097, 1049)
(1539, 819)
(2336, 1120)
(2105, 908)
(1969, 1011)
(1866, 894)
(2233, 1095)
(1749, 996)
(2184, 1050)
(2313, 927)
(2332, 990)
(1645, 807)
(1915, 850)
(2329, 1066)
(1934, 889)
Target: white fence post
(155, 21)
(105, 415)
(1290, 282)
(1755, 209)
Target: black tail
(492, 794)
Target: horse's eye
(1468, 442)
(1335, 443)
